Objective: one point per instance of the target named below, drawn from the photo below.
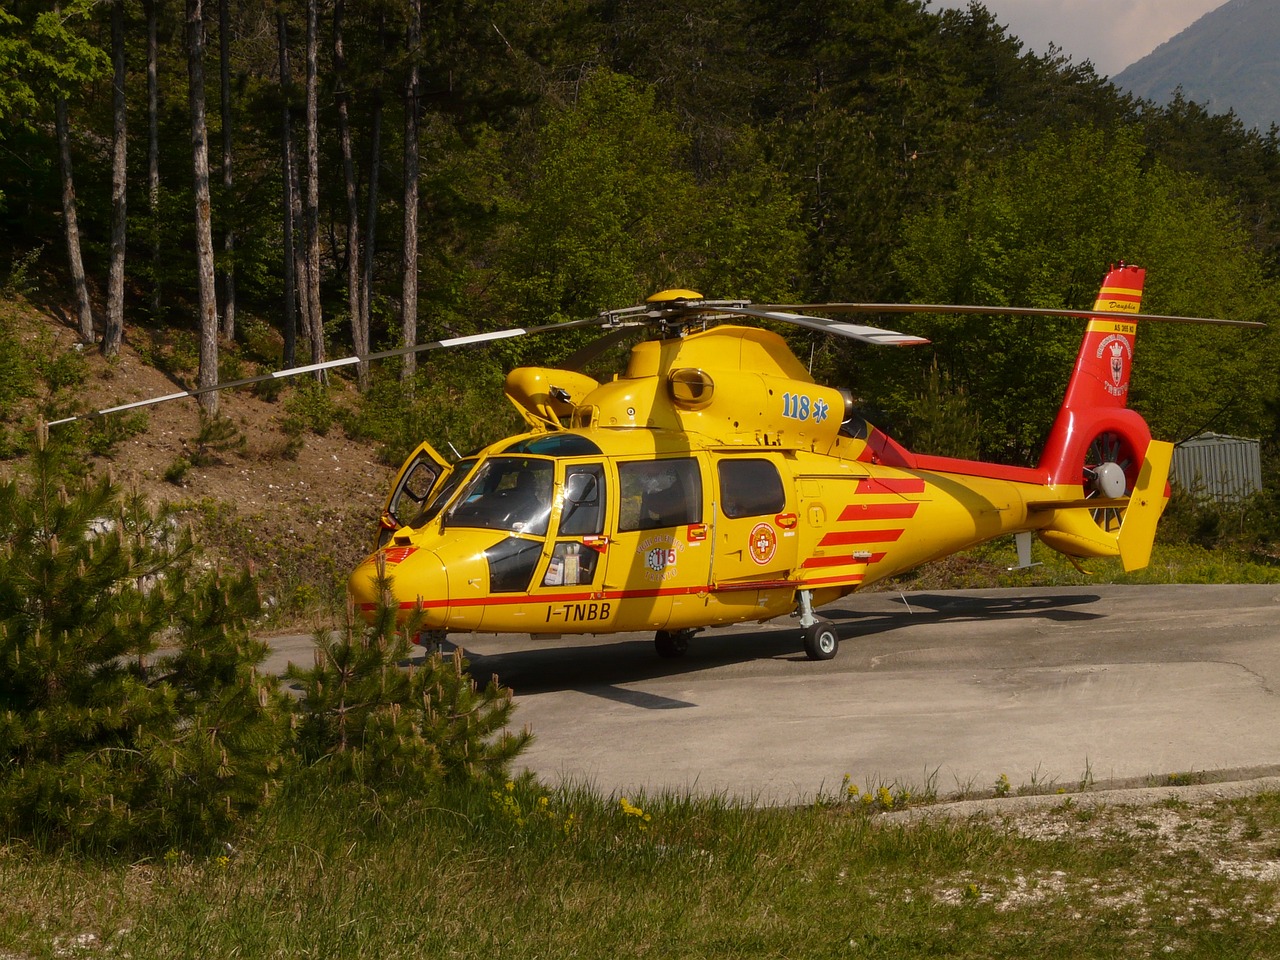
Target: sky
(1111, 33)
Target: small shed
(1213, 466)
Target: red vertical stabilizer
(1094, 408)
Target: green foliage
(44, 56)
(17, 372)
(176, 472)
(455, 402)
(942, 420)
(605, 207)
(217, 437)
(131, 715)
(367, 720)
(1038, 231)
(59, 369)
(103, 433)
(310, 407)
(20, 282)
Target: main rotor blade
(580, 358)
(853, 331)
(1007, 311)
(343, 362)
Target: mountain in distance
(1229, 59)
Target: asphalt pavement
(1051, 688)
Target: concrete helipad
(1051, 687)
(1044, 686)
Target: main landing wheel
(821, 640)
(672, 643)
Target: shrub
(309, 407)
(131, 715)
(365, 720)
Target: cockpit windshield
(506, 493)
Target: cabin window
(659, 493)
(750, 488)
(506, 493)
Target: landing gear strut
(820, 638)
(673, 643)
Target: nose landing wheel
(672, 643)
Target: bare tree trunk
(375, 167)
(289, 177)
(371, 217)
(84, 309)
(114, 331)
(359, 330)
(204, 231)
(409, 304)
(229, 238)
(153, 153)
(313, 188)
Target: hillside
(1229, 59)
(301, 513)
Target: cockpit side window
(583, 501)
(432, 507)
(659, 493)
(506, 493)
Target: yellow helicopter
(714, 482)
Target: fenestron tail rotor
(1109, 471)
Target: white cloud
(1111, 33)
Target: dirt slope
(301, 517)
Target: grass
(524, 873)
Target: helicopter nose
(412, 574)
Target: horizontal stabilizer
(1086, 503)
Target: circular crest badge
(764, 541)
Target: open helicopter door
(420, 476)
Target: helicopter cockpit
(506, 493)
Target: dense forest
(326, 178)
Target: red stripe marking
(874, 485)
(848, 578)
(859, 536)
(879, 511)
(558, 598)
(815, 562)
(754, 585)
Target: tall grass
(520, 872)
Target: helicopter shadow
(945, 608)
(607, 669)
(602, 669)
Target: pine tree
(366, 719)
(131, 715)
